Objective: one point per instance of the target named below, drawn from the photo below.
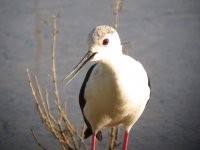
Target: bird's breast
(117, 83)
(115, 90)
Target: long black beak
(85, 59)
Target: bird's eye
(105, 42)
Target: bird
(116, 88)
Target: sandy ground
(164, 36)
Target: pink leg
(125, 140)
(93, 142)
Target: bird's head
(103, 41)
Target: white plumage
(115, 90)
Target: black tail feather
(88, 133)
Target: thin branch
(117, 136)
(112, 138)
(48, 107)
(82, 136)
(62, 133)
(116, 9)
(34, 95)
(37, 141)
(41, 96)
(54, 78)
(68, 124)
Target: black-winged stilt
(115, 90)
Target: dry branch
(116, 9)
(37, 141)
(59, 125)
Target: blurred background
(163, 34)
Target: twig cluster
(59, 124)
(60, 127)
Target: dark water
(164, 36)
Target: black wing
(149, 84)
(82, 102)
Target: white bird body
(120, 93)
(115, 90)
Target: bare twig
(82, 135)
(59, 125)
(37, 141)
(61, 128)
(54, 78)
(34, 95)
(116, 136)
(112, 138)
(116, 9)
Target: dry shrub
(59, 125)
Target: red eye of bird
(105, 42)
